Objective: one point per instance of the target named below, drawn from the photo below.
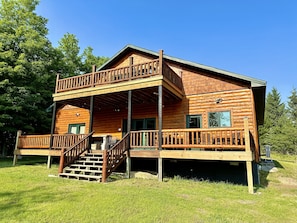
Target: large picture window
(219, 119)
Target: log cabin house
(143, 104)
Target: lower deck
(197, 154)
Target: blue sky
(257, 38)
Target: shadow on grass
(266, 167)
(25, 160)
(17, 202)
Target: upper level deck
(135, 76)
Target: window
(219, 119)
(194, 121)
(77, 128)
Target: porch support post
(160, 122)
(91, 118)
(53, 126)
(249, 169)
(19, 133)
(91, 114)
(129, 121)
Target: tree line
(28, 67)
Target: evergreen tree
(26, 70)
(291, 130)
(292, 107)
(271, 133)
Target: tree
(69, 48)
(89, 60)
(27, 63)
(291, 130)
(292, 107)
(271, 133)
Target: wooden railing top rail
(116, 75)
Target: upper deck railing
(117, 75)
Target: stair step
(91, 158)
(81, 166)
(88, 162)
(80, 176)
(77, 170)
(93, 155)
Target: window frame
(219, 120)
(78, 125)
(188, 117)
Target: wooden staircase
(75, 163)
(88, 167)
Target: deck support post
(249, 169)
(160, 120)
(19, 133)
(160, 169)
(53, 126)
(129, 122)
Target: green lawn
(28, 194)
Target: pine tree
(291, 130)
(271, 133)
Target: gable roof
(258, 86)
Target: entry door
(194, 121)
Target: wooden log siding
(43, 141)
(115, 75)
(219, 138)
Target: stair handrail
(114, 156)
(69, 155)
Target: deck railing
(143, 70)
(116, 75)
(172, 76)
(70, 154)
(43, 141)
(114, 156)
(219, 138)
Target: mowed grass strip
(28, 194)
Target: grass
(28, 194)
